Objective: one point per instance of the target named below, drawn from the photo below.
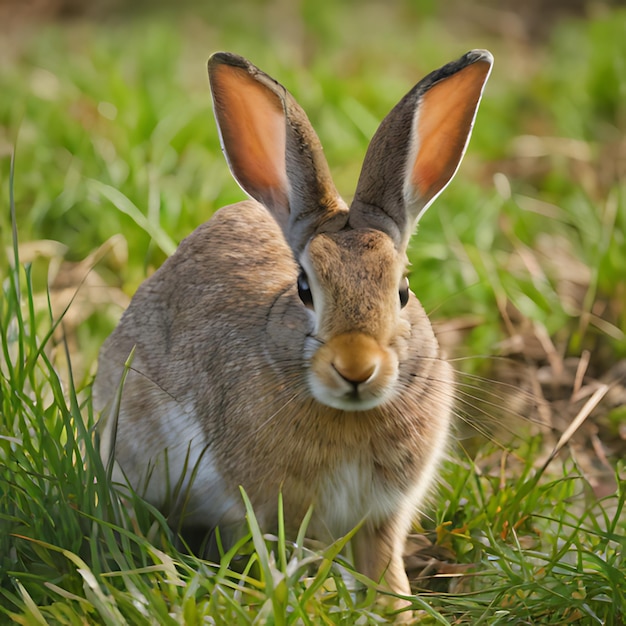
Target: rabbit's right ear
(418, 147)
(272, 149)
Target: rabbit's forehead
(365, 253)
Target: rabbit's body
(352, 464)
(279, 348)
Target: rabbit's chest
(352, 492)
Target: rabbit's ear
(419, 146)
(272, 150)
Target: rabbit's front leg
(378, 554)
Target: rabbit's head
(351, 261)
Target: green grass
(115, 142)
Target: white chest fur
(353, 492)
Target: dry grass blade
(582, 415)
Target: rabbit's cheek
(402, 339)
(288, 331)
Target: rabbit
(279, 348)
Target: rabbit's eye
(304, 291)
(404, 292)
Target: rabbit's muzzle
(353, 372)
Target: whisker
(316, 338)
(481, 426)
(478, 406)
(487, 380)
(474, 401)
(271, 417)
(486, 388)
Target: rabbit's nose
(353, 371)
(356, 357)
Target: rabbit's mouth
(353, 399)
(353, 372)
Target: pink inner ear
(252, 125)
(445, 118)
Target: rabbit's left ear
(418, 147)
(272, 149)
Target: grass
(522, 259)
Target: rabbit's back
(209, 296)
(193, 328)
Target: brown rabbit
(280, 348)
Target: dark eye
(304, 291)
(404, 292)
